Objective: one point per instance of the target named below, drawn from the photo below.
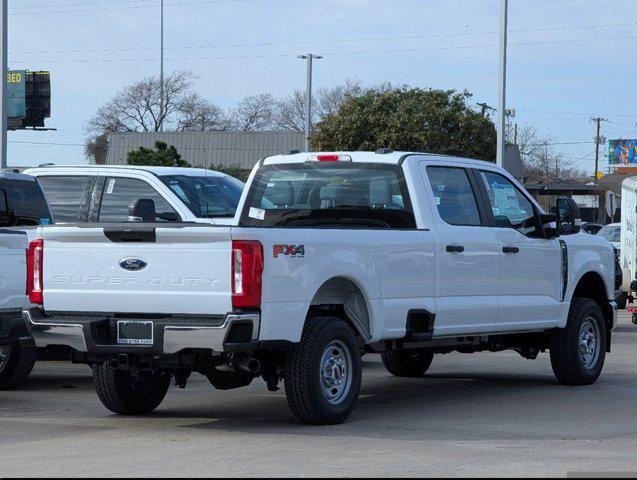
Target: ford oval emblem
(133, 264)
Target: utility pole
(3, 89)
(504, 5)
(598, 141)
(308, 98)
(161, 71)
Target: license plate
(132, 332)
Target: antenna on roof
(46, 165)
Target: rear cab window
(67, 195)
(331, 195)
(24, 203)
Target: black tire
(123, 394)
(407, 363)
(622, 300)
(567, 359)
(17, 365)
(304, 384)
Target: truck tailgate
(175, 269)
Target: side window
(454, 195)
(65, 195)
(27, 203)
(120, 193)
(510, 207)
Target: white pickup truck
(22, 208)
(331, 255)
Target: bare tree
(290, 112)
(96, 148)
(329, 100)
(254, 113)
(542, 163)
(137, 108)
(199, 115)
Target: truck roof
(16, 176)
(380, 156)
(160, 171)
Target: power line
(64, 5)
(586, 114)
(108, 9)
(314, 42)
(353, 52)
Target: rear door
(151, 268)
(467, 300)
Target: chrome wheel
(5, 351)
(336, 372)
(589, 345)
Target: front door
(466, 300)
(530, 284)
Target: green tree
(408, 119)
(162, 156)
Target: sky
(568, 60)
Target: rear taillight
(35, 256)
(247, 268)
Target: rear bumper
(232, 332)
(12, 327)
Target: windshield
(337, 195)
(207, 197)
(611, 233)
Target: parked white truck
(22, 208)
(332, 255)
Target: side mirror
(4, 209)
(568, 216)
(549, 225)
(142, 210)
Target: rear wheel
(323, 373)
(578, 350)
(16, 362)
(407, 363)
(130, 393)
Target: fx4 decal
(289, 250)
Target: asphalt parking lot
(484, 414)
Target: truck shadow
(449, 406)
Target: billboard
(16, 93)
(28, 99)
(622, 152)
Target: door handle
(455, 248)
(510, 249)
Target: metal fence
(205, 149)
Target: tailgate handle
(130, 235)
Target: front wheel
(323, 373)
(130, 393)
(16, 362)
(578, 350)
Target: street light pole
(3, 89)
(161, 72)
(504, 5)
(308, 98)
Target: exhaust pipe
(247, 364)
